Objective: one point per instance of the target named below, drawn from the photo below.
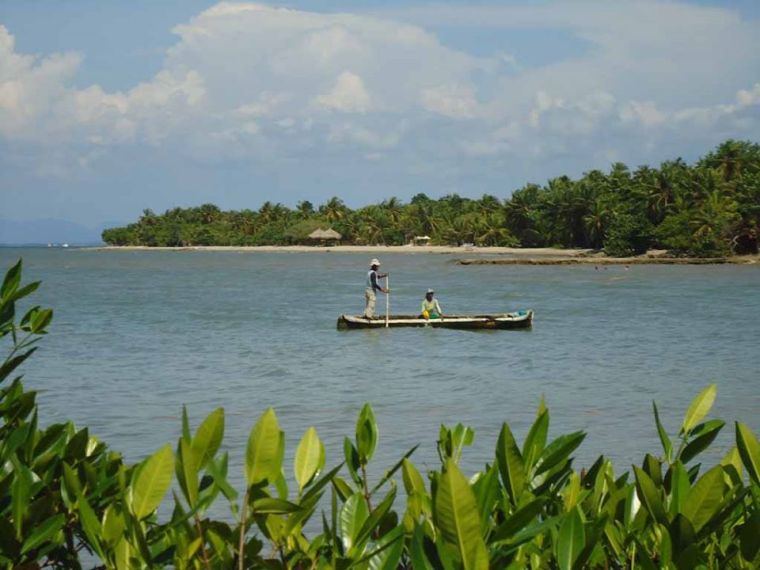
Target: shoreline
(374, 249)
(507, 255)
(643, 260)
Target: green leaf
(353, 515)
(343, 489)
(187, 471)
(90, 525)
(748, 537)
(318, 485)
(123, 555)
(417, 551)
(667, 446)
(559, 450)
(535, 440)
(281, 486)
(649, 495)
(186, 425)
(704, 498)
(21, 489)
(679, 488)
(456, 515)
(44, 532)
(699, 408)
(366, 434)
(413, 482)
(41, 320)
(113, 524)
(71, 481)
(511, 465)
(486, 490)
(681, 535)
(518, 520)
(310, 458)
(653, 467)
(11, 280)
(152, 479)
(376, 517)
(352, 460)
(733, 459)
(701, 437)
(12, 363)
(571, 539)
(749, 450)
(208, 437)
(271, 505)
(24, 291)
(387, 555)
(265, 450)
(217, 469)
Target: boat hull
(504, 321)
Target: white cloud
(248, 81)
(348, 95)
(353, 134)
(643, 112)
(454, 101)
(748, 97)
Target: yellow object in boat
(425, 314)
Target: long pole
(387, 299)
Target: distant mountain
(33, 232)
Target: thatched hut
(325, 236)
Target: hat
(429, 292)
(375, 261)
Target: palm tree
(596, 223)
(334, 209)
(305, 209)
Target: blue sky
(107, 108)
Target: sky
(108, 108)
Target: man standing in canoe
(373, 278)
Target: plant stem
(366, 488)
(16, 347)
(204, 554)
(241, 542)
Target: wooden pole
(387, 299)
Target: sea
(137, 335)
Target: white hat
(375, 261)
(429, 291)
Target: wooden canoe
(516, 320)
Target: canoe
(502, 321)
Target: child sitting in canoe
(430, 307)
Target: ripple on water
(138, 334)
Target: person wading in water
(372, 285)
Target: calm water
(138, 334)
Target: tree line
(709, 208)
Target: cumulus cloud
(455, 101)
(348, 95)
(247, 80)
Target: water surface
(138, 334)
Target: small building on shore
(421, 240)
(328, 236)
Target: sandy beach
(373, 249)
(595, 260)
(475, 255)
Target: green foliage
(709, 209)
(63, 493)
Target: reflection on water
(138, 334)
